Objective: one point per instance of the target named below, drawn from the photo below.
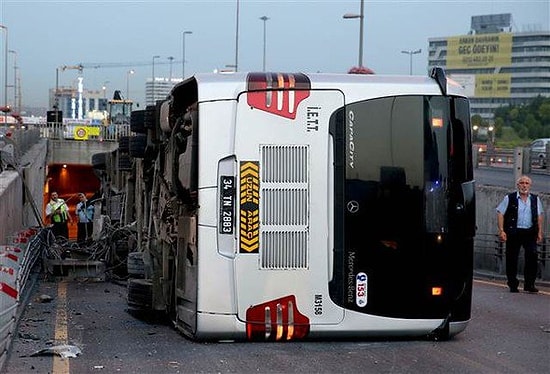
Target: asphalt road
(504, 177)
(508, 333)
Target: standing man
(85, 214)
(58, 213)
(519, 218)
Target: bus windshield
(406, 172)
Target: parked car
(539, 153)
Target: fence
(29, 135)
(83, 132)
(489, 256)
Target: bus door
(285, 161)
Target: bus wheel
(140, 294)
(135, 265)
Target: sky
(110, 38)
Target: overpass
(75, 144)
(45, 158)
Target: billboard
(484, 85)
(479, 51)
(493, 85)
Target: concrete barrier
(17, 260)
(489, 252)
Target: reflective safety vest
(63, 215)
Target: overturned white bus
(280, 206)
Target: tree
(529, 121)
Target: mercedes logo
(353, 206)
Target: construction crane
(100, 65)
(118, 109)
(78, 67)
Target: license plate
(227, 204)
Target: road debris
(63, 350)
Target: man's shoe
(514, 290)
(531, 289)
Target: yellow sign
(250, 207)
(84, 132)
(479, 51)
(493, 85)
(81, 133)
(93, 130)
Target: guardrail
(17, 261)
(78, 132)
(508, 158)
(503, 157)
(83, 132)
(490, 253)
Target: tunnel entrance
(68, 180)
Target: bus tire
(140, 293)
(137, 122)
(99, 161)
(149, 118)
(135, 265)
(123, 144)
(138, 144)
(124, 163)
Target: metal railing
(502, 158)
(83, 132)
(24, 139)
(507, 158)
(490, 256)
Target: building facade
(76, 106)
(159, 89)
(496, 65)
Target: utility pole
(170, 58)
(183, 54)
(361, 17)
(15, 107)
(411, 53)
(5, 28)
(237, 40)
(264, 18)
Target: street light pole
(153, 81)
(104, 87)
(15, 107)
(171, 59)
(361, 17)
(5, 72)
(56, 93)
(411, 53)
(130, 72)
(183, 55)
(237, 40)
(264, 18)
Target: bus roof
(227, 86)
